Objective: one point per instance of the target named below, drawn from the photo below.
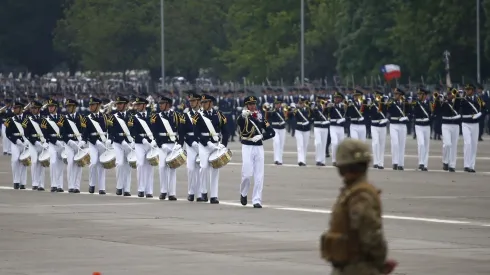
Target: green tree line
(256, 39)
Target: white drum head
(152, 154)
(216, 153)
(25, 154)
(82, 153)
(107, 156)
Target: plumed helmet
(352, 151)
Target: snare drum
(108, 159)
(82, 158)
(220, 158)
(176, 158)
(132, 159)
(25, 158)
(153, 157)
(44, 158)
(64, 157)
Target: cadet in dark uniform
(5, 114)
(336, 115)
(253, 132)
(378, 129)
(226, 106)
(192, 147)
(422, 112)
(278, 118)
(471, 111)
(303, 116)
(14, 131)
(36, 142)
(321, 126)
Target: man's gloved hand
(153, 143)
(59, 143)
(38, 144)
(212, 145)
(146, 142)
(221, 146)
(257, 138)
(19, 142)
(177, 147)
(246, 113)
(81, 143)
(45, 145)
(73, 144)
(108, 142)
(195, 145)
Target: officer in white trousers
(422, 113)
(35, 142)
(7, 113)
(166, 128)
(95, 134)
(277, 117)
(51, 128)
(378, 129)
(122, 141)
(144, 142)
(354, 114)
(302, 113)
(15, 133)
(73, 126)
(471, 112)
(252, 132)
(399, 110)
(321, 126)
(336, 115)
(448, 110)
(208, 125)
(192, 146)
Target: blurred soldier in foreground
(355, 243)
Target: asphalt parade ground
(436, 222)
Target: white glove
(100, 145)
(153, 143)
(19, 142)
(177, 147)
(477, 115)
(245, 113)
(132, 145)
(59, 143)
(81, 143)
(361, 119)
(186, 110)
(37, 144)
(305, 123)
(340, 120)
(404, 118)
(221, 146)
(146, 142)
(257, 138)
(212, 145)
(456, 117)
(108, 142)
(26, 142)
(45, 145)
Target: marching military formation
(127, 133)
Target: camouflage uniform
(355, 243)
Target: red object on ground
(389, 266)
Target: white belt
(17, 135)
(355, 119)
(34, 135)
(96, 134)
(143, 135)
(247, 139)
(278, 123)
(395, 118)
(375, 121)
(421, 119)
(333, 120)
(163, 134)
(450, 117)
(120, 134)
(322, 122)
(53, 135)
(205, 134)
(190, 134)
(467, 116)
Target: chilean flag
(391, 71)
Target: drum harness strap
(210, 127)
(124, 127)
(98, 129)
(54, 126)
(145, 128)
(74, 128)
(256, 128)
(19, 128)
(168, 128)
(38, 130)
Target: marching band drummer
(138, 126)
(208, 125)
(252, 132)
(303, 115)
(166, 128)
(192, 147)
(50, 125)
(378, 129)
(96, 135)
(14, 131)
(5, 115)
(422, 113)
(122, 140)
(471, 111)
(73, 125)
(336, 115)
(36, 143)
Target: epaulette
(44, 124)
(61, 121)
(182, 119)
(7, 122)
(222, 117)
(109, 120)
(83, 121)
(195, 118)
(153, 118)
(130, 122)
(24, 123)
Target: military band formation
(132, 133)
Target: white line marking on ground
(294, 209)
